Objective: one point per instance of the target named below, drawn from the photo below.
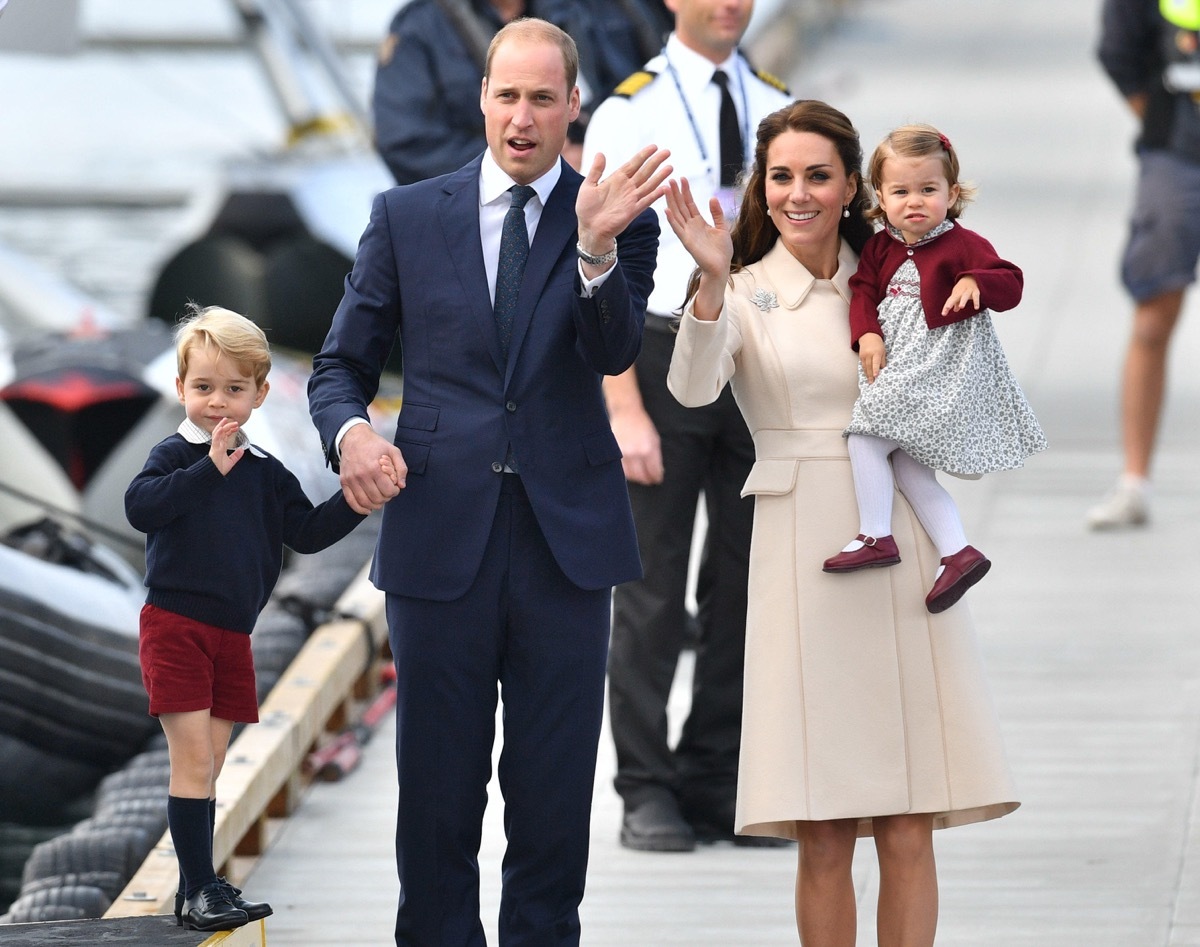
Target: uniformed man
(426, 94)
(702, 100)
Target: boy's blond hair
(231, 334)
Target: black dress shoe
(657, 826)
(210, 909)
(255, 910)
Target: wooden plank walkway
(1092, 641)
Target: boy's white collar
(194, 434)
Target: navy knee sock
(212, 828)
(191, 833)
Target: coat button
(910, 253)
(497, 467)
(510, 406)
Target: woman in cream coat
(864, 713)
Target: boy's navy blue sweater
(214, 544)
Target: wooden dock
(1092, 641)
(148, 931)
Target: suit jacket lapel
(458, 212)
(555, 229)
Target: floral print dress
(947, 395)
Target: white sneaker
(1126, 505)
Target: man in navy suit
(506, 517)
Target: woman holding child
(865, 714)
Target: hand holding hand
(605, 208)
(872, 354)
(389, 471)
(372, 469)
(222, 437)
(965, 290)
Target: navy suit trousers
(524, 628)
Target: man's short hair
(532, 29)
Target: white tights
(875, 479)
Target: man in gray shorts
(1150, 51)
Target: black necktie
(733, 155)
(514, 250)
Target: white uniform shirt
(656, 114)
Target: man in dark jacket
(1150, 51)
(426, 96)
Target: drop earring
(846, 211)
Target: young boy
(217, 512)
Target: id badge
(731, 199)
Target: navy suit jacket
(419, 272)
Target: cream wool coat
(858, 701)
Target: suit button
(497, 467)
(510, 407)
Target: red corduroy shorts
(188, 665)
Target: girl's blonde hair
(231, 334)
(918, 141)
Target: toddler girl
(935, 390)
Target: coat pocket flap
(418, 417)
(771, 477)
(601, 448)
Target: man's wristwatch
(594, 260)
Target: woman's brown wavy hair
(753, 233)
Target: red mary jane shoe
(962, 570)
(874, 552)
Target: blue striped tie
(514, 251)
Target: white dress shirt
(494, 201)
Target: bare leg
(826, 912)
(908, 888)
(190, 748)
(1144, 379)
(219, 732)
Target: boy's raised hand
(222, 437)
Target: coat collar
(792, 282)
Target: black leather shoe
(179, 909)
(210, 909)
(657, 826)
(255, 910)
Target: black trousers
(706, 452)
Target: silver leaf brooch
(765, 300)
